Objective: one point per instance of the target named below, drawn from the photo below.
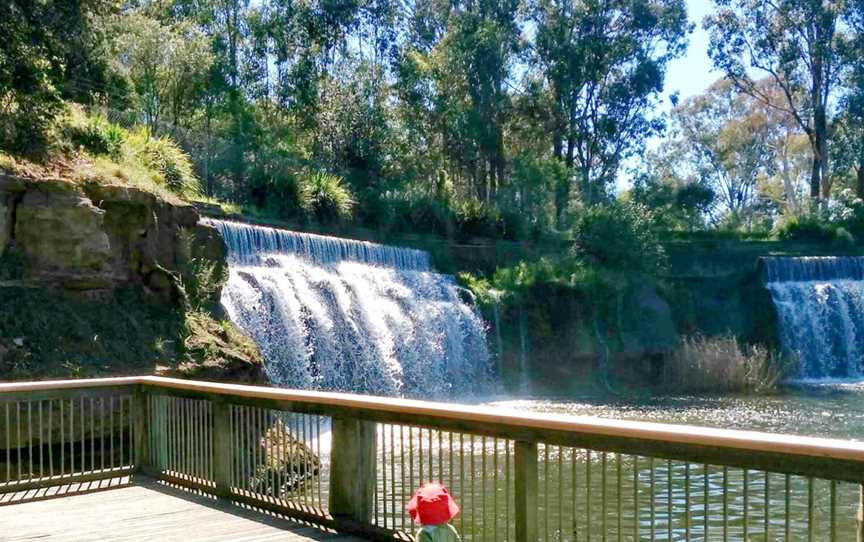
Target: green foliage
(202, 278)
(46, 333)
(324, 196)
(168, 160)
(94, 134)
(840, 223)
(12, 264)
(47, 48)
(620, 236)
(813, 228)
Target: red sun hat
(432, 505)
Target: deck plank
(146, 511)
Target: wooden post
(222, 451)
(352, 471)
(526, 491)
(140, 431)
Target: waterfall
(343, 315)
(820, 309)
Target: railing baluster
(687, 501)
(473, 494)
(767, 505)
(494, 489)
(619, 508)
(746, 507)
(8, 443)
(92, 436)
(636, 510)
(420, 460)
(811, 511)
(62, 425)
(30, 468)
(603, 485)
(788, 506)
(669, 500)
(384, 476)
(102, 433)
(574, 479)
(652, 502)
(725, 504)
(588, 500)
(392, 473)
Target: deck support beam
(140, 431)
(222, 448)
(526, 491)
(352, 471)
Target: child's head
(432, 505)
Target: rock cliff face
(96, 238)
(101, 280)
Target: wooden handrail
(508, 418)
(229, 418)
(50, 385)
(503, 419)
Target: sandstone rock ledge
(85, 246)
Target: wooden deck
(146, 511)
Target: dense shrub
(94, 134)
(620, 236)
(167, 159)
(474, 219)
(721, 364)
(813, 228)
(324, 196)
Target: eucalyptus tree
(454, 73)
(604, 63)
(167, 65)
(798, 45)
(848, 146)
(727, 143)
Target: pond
(819, 408)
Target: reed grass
(721, 364)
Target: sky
(689, 75)
(692, 73)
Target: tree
(168, 65)
(679, 199)
(848, 149)
(796, 44)
(726, 141)
(48, 52)
(603, 62)
(454, 80)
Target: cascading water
(337, 314)
(820, 308)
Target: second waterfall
(343, 315)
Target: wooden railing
(351, 462)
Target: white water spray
(820, 307)
(337, 314)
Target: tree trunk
(823, 188)
(859, 185)
(562, 197)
